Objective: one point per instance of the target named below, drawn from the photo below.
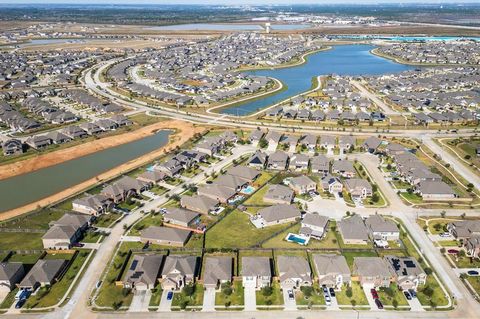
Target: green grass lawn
(275, 298)
(236, 298)
(29, 259)
(9, 299)
(339, 238)
(150, 220)
(180, 299)
(474, 281)
(18, 241)
(329, 241)
(105, 220)
(50, 296)
(437, 298)
(236, 230)
(412, 198)
(91, 237)
(156, 296)
(36, 220)
(388, 295)
(310, 296)
(257, 198)
(353, 296)
(466, 262)
(349, 256)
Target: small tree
(307, 291)
(267, 291)
(189, 289)
(227, 291)
(395, 303)
(349, 292)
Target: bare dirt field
(184, 131)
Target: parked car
(328, 300)
(379, 304)
(325, 289)
(99, 283)
(374, 293)
(407, 295)
(332, 292)
(445, 234)
(291, 296)
(78, 245)
(413, 293)
(473, 273)
(170, 295)
(452, 251)
(20, 303)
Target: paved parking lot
(209, 300)
(250, 299)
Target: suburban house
(353, 230)
(92, 204)
(217, 192)
(168, 236)
(181, 217)
(258, 160)
(343, 168)
(331, 184)
(151, 177)
(345, 142)
(278, 214)
(44, 273)
(436, 190)
(278, 194)
(10, 275)
(65, 231)
(409, 273)
(328, 141)
(256, 136)
(124, 188)
(372, 272)
(320, 164)
(310, 142)
(256, 272)
(314, 225)
(234, 182)
(358, 188)
(273, 137)
(278, 161)
(332, 270)
(472, 246)
(12, 147)
(464, 229)
(293, 272)
(372, 144)
(217, 270)
(199, 203)
(178, 271)
(143, 272)
(302, 185)
(244, 172)
(382, 228)
(299, 162)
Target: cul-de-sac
(239, 160)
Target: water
(404, 38)
(27, 188)
(286, 27)
(209, 27)
(342, 60)
(297, 239)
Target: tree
(189, 290)
(353, 302)
(267, 291)
(443, 213)
(375, 197)
(428, 271)
(428, 291)
(307, 291)
(395, 303)
(227, 291)
(349, 292)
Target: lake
(341, 60)
(209, 27)
(27, 188)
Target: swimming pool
(299, 239)
(248, 190)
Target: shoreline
(183, 132)
(63, 155)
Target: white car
(445, 234)
(328, 300)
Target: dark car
(379, 304)
(374, 293)
(20, 303)
(412, 293)
(79, 245)
(472, 273)
(170, 295)
(332, 292)
(325, 289)
(407, 295)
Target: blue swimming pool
(297, 239)
(248, 190)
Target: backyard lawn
(105, 220)
(36, 220)
(19, 241)
(236, 230)
(329, 241)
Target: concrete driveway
(371, 301)
(140, 301)
(165, 305)
(272, 147)
(415, 305)
(209, 300)
(250, 299)
(290, 305)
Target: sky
(231, 2)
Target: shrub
(267, 291)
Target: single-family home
(358, 188)
(314, 225)
(331, 184)
(181, 217)
(343, 168)
(302, 185)
(299, 162)
(409, 274)
(258, 160)
(11, 273)
(382, 228)
(199, 203)
(256, 272)
(278, 214)
(45, 272)
(143, 272)
(278, 194)
(293, 272)
(332, 270)
(372, 272)
(217, 270)
(167, 236)
(353, 230)
(320, 164)
(92, 204)
(436, 190)
(278, 161)
(178, 271)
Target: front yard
(270, 296)
(191, 295)
(352, 296)
(392, 296)
(230, 295)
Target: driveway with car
(166, 301)
(289, 299)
